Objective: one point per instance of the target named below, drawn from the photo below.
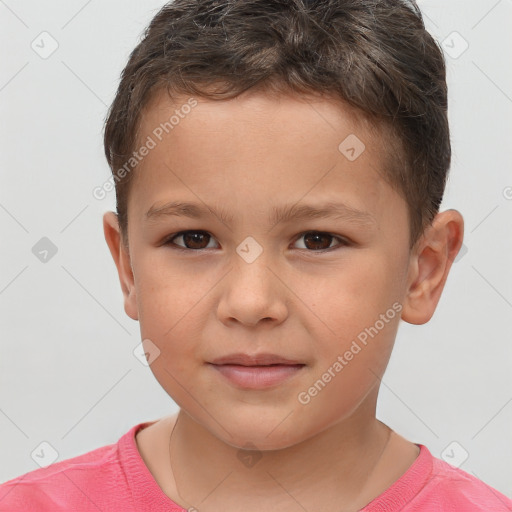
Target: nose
(253, 293)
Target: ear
(121, 256)
(430, 263)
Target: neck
(337, 468)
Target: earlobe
(121, 257)
(430, 264)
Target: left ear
(430, 263)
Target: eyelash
(342, 241)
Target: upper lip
(254, 360)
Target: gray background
(68, 375)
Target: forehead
(258, 150)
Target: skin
(245, 156)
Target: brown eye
(195, 240)
(318, 241)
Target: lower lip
(257, 377)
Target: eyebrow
(279, 214)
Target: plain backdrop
(68, 375)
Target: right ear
(122, 260)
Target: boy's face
(247, 157)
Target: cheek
(169, 316)
(340, 303)
(349, 366)
(167, 291)
(175, 327)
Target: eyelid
(342, 241)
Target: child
(242, 135)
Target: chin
(259, 432)
(260, 441)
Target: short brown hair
(374, 55)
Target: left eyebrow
(280, 214)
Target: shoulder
(432, 485)
(455, 489)
(77, 483)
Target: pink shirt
(115, 478)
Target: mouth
(256, 371)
